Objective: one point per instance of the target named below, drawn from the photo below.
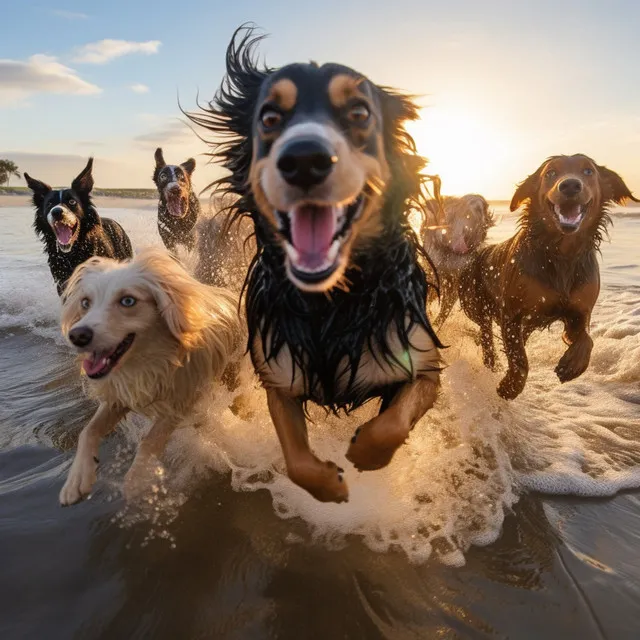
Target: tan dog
(455, 228)
(152, 340)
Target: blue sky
(504, 83)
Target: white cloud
(169, 132)
(69, 15)
(106, 50)
(139, 88)
(39, 74)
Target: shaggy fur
(151, 340)
(179, 207)
(318, 159)
(71, 229)
(454, 230)
(548, 271)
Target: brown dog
(548, 271)
(454, 229)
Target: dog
(70, 227)
(548, 271)
(318, 158)
(179, 207)
(151, 339)
(454, 230)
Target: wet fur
(342, 344)
(542, 275)
(186, 335)
(97, 236)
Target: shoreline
(101, 202)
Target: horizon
(502, 86)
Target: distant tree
(8, 168)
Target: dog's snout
(570, 187)
(57, 213)
(306, 163)
(81, 336)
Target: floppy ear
(40, 189)
(176, 295)
(159, 158)
(189, 165)
(613, 187)
(526, 190)
(84, 180)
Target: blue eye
(127, 301)
(588, 171)
(85, 303)
(72, 202)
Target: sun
(467, 150)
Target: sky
(502, 84)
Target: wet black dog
(71, 229)
(179, 207)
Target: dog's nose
(306, 163)
(570, 187)
(56, 213)
(81, 336)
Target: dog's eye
(71, 202)
(127, 301)
(85, 303)
(588, 171)
(270, 118)
(550, 174)
(359, 113)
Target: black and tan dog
(179, 207)
(319, 159)
(548, 271)
(70, 227)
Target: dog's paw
(374, 444)
(511, 386)
(80, 481)
(323, 480)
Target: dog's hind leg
(373, 445)
(515, 379)
(82, 474)
(486, 342)
(323, 480)
(147, 461)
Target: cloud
(139, 88)
(69, 15)
(106, 50)
(172, 132)
(39, 74)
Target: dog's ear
(527, 189)
(614, 188)
(84, 180)
(159, 158)
(189, 165)
(40, 189)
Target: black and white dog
(179, 207)
(71, 229)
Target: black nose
(81, 336)
(57, 212)
(306, 163)
(570, 187)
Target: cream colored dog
(152, 340)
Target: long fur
(386, 285)
(194, 334)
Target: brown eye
(359, 113)
(270, 118)
(550, 174)
(72, 202)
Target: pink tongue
(312, 229)
(92, 366)
(174, 200)
(459, 245)
(63, 233)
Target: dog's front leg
(374, 444)
(323, 480)
(147, 461)
(82, 474)
(512, 384)
(576, 358)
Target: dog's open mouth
(569, 214)
(314, 235)
(66, 234)
(176, 203)
(98, 365)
